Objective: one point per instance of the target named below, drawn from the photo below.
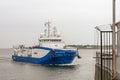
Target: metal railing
(104, 56)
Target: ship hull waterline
(52, 57)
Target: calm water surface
(81, 69)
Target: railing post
(101, 54)
(113, 43)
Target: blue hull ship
(51, 50)
(54, 56)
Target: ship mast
(54, 31)
(47, 24)
(45, 32)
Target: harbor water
(80, 69)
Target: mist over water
(80, 69)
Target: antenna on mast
(45, 32)
(47, 24)
(54, 31)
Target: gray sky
(22, 21)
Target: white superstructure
(50, 38)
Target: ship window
(47, 40)
(40, 40)
(51, 40)
(58, 40)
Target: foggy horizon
(22, 21)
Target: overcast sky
(22, 21)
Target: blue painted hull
(53, 57)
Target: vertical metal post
(101, 54)
(48, 25)
(113, 43)
(48, 29)
(104, 52)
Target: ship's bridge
(52, 42)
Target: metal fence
(103, 65)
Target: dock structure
(117, 76)
(103, 66)
(107, 65)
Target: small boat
(51, 50)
